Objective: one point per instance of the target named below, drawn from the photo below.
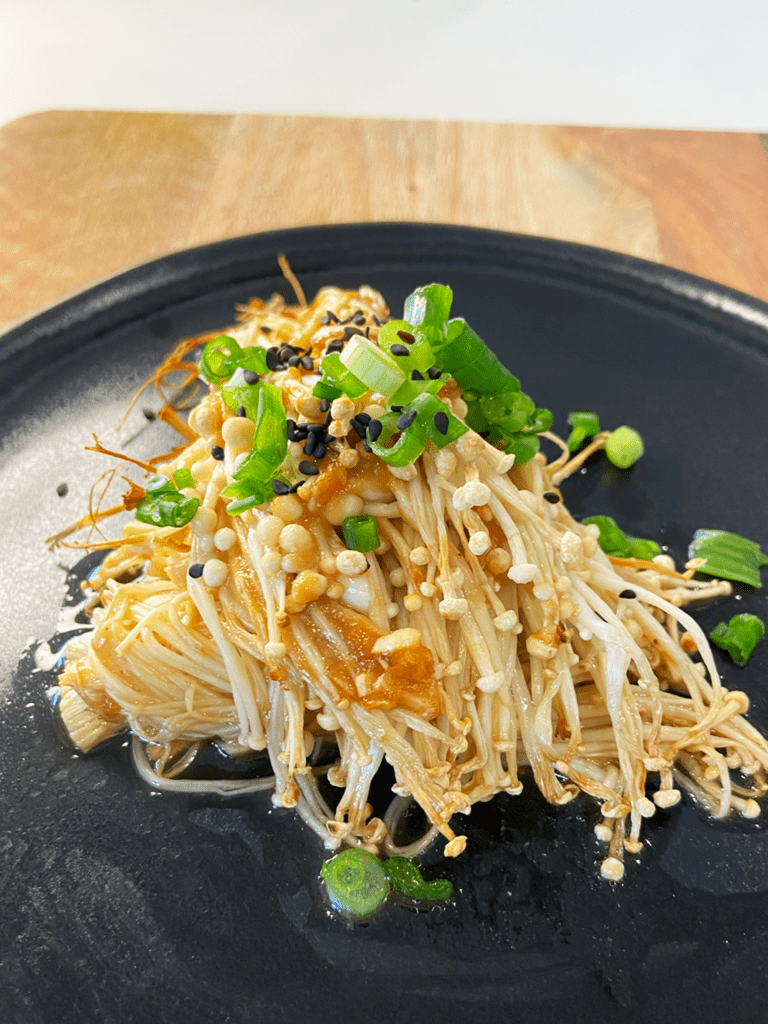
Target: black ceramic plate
(121, 905)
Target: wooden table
(85, 194)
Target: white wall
(663, 63)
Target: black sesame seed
(358, 317)
(217, 452)
(407, 337)
(296, 486)
(293, 361)
(309, 447)
(285, 353)
(434, 372)
(325, 405)
(358, 427)
(367, 447)
(399, 350)
(551, 497)
(196, 570)
(364, 418)
(396, 408)
(149, 414)
(265, 330)
(367, 332)
(379, 323)
(329, 318)
(628, 594)
(308, 363)
(350, 332)
(273, 359)
(61, 490)
(316, 428)
(241, 410)
(334, 346)
(374, 429)
(415, 375)
(308, 468)
(250, 377)
(440, 419)
(279, 487)
(404, 421)
(320, 450)
(328, 419)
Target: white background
(659, 63)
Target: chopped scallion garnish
(252, 480)
(222, 356)
(614, 541)
(728, 556)
(183, 478)
(583, 426)
(406, 877)
(361, 533)
(358, 882)
(624, 447)
(739, 637)
(164, 505)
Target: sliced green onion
(163, 505)
(183, 478)
(252, 481)
(406, 449)
(338, 380)
(216, 361)
(357, 882)
(361, 533)
(370, 364)
(539, 421)
(222, 356)
(583, 426)
(406, 877)
(471, 363)
(614, 541)
(739, 637)
(420, 354)
(523, 448)
(427, 407)
(429, 308)
(624, 447)
(728, 556)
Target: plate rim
(148, 287)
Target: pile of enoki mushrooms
(487, 640)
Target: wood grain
(85, 194)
